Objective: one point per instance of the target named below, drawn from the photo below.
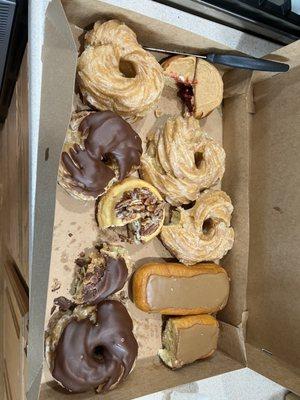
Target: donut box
(257, 126)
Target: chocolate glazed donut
(96, 356)
(111, 151)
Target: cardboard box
(258, 127)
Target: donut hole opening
(127, 68)
(189, 205)
(198, 159)
(99, 353)
(172, 216)
(111, 162)
(207, 226)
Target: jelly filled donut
(91, 347)
(100, 148)
(116, 73)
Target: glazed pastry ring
(116, 73)
(182, 160)
(203, 232)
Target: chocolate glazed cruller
(100, 149)
(91, 347)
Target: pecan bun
(135, 203)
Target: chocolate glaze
(89, 355)
(89, 174)
(63, 303)
(109, 136)
(105, 281)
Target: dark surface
(247, 62)
(17, 45)
(269, 19)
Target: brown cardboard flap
(236, 125)
(236, 81)
(150, 376)
(288, 54)
(59, 56)
(274, 270)
(273, 368)
(232, 341)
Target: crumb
(83, 262)
(55, 285)
(63, 303)
(158, 113)
(278, 209)
(70, 234)
(82, 254)
(122, 295)
(64, 257)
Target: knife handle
(247, 62)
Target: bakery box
(258, 126)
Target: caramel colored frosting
(196, 342)
(182, 160)
(100, 148)
(116, 73)
(203, 232)
(206, 291)
(93, 352)
(187, 339)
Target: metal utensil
(231, 60)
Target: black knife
(243, 62)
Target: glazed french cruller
(203, 232)
(115, 73)
(182, 160)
